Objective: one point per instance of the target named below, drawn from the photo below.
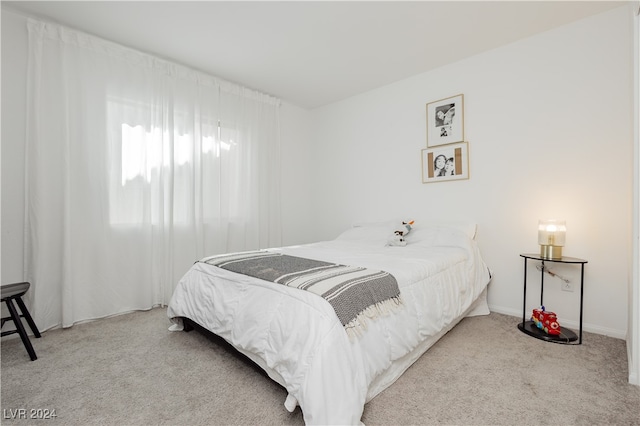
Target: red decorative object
(546, 321)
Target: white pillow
(439, 235)
(468, 228)
(385, 224)
(370, 232)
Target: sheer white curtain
(136, 167)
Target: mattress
(296, 337)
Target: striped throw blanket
(355, 293)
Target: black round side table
(529, 327)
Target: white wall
(633, 336)
(296, 160)
(549, 125)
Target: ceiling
(313, 53)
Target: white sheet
(296, 337)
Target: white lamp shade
(552, 232)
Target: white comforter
(296, 336)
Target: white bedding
(296, 337)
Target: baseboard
(591, 328)
(505, 311)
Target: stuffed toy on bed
(398, 237)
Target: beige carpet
(129, 370)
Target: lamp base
(551, 252)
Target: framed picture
(445, 121)
(447, 162)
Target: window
(159, 175)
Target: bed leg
(187, 325)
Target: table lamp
(551, 236)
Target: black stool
(12, 292)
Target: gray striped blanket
(355, 293)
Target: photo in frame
(445, 121)
(444, 163)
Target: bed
(297, 337)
